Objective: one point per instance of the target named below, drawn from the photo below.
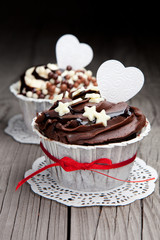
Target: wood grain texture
(84, 222)
(120, 222)
(27, 216)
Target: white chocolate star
(102, 117)
(62, 108)
(90, 112)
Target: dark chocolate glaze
(73, 128)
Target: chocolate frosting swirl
(73, 128)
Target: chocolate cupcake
(87, 127)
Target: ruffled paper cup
(29, 106)
(85, 180)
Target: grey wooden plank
(108, 222)
(149, 151)
(26, 215)
(5, 171)
(120, 222)
(58, 226)
(26, 219)
(52, 221)
(151, 216)
(13, 199)
(84, 222)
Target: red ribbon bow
(69, 165)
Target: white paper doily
(44, 185)
(18, 130)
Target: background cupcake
(41, 85)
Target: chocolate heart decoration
(119, 83)
(69, 51)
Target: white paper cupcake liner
(87, 180)
(29, 106)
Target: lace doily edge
(69, 204)
(8, 131)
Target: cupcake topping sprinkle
(62, 108)
(92, 114)
(48, 81)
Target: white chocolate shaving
(94, 97)
(29, 72)
(96, 100)
(52, 66)
(93, 88)
(78, 91)
(66, 95)
(75, 101)
(35, 83)
(42, 71)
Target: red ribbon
(69, 165)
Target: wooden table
(27, 216)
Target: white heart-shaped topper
(69, 51)
(118, 83)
